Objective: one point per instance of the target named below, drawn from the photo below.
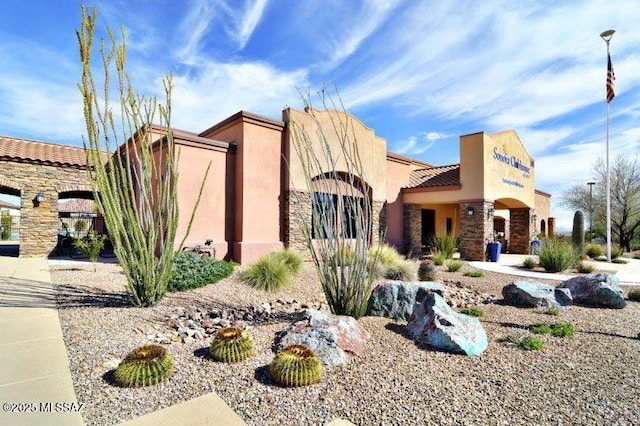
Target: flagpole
(606, 36)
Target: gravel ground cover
(591, 378)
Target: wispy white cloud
(248, 21)
(191, 30)
(418, 144)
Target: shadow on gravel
(400, 329)
(202, 353)
(108, 377)
(602, 333)
(81, 296)
(262, 375)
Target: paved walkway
(628, 274)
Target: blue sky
(421, 73)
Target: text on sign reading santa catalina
(512, 161)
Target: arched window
(543, 227)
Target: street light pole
(591, 210)
(606, 36)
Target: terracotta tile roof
(23, 150)
(435, 176)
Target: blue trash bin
(494, 251)
(535, 247)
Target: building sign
(512, 161)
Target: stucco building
(256, 193)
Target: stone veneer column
(38, 224)
(379, 220)
(412, 230)
(297, 216)
(551, 227)
(521, 231)
(475, 231)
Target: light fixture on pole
(591, 210)
(609, 94)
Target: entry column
(520, 230)
(476, 228)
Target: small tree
(338, 236)
(134, 177)
(90, 246)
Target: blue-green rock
(396, 299)
(596, 290)
(439, 327)
(528, 294)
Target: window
(335, 216)
(449, 225)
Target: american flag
(610, 79)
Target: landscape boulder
(528, 294)
(333, 338)
(397, 299)
(435, 324)
(596, 290)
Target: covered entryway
(40, 174)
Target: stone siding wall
(476, 231)
(39, 223)
(412, 230)
(521, 231)
(379, 225)
(551, 227)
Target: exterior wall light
(490, 212)
(38, 199)
(471, 211)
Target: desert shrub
(474, 312)
(618, 260)
(290, 258)
(426, 271)
(387, 255)
(90, 246)
(191, 270)
(439, 258)
(445, 244)
(476, 273)
(540, 328)
(529, 263)
(585, 268)
(594, 250)
(552, 310)
(562, 330)
(557, 330)
(268, 273)
(616, 252)
(531, 344)
(556, 255)
(634, 295)
(527, 343)
(402, 272)
(454, 265)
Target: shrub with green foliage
(594, 250)
(552, 310)
(558, 330)
(402, 272)
(445, 244)
(274, 271)
(556, 255)
(529, 263)
(192, 270)
(476, 273)
(474, 312)
(90, 246)
(439, 258)
(616, 251)
(454, 265)
(634, 295)
(527, 343)
(585, 268)
(387, 255)
(426, 271)
(390, 263)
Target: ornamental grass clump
(439, 258)
(144, 366)
(556, 255)
(453, 265)
(296, 365)
(445, 244)
(476, 273)
(594, 250)
(526, 343)
(269, 273)
(529, 263)
(585, 268)
(556, 330)
(474, 312)
(231, 344)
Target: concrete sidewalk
(628, 274)
(35, 381)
